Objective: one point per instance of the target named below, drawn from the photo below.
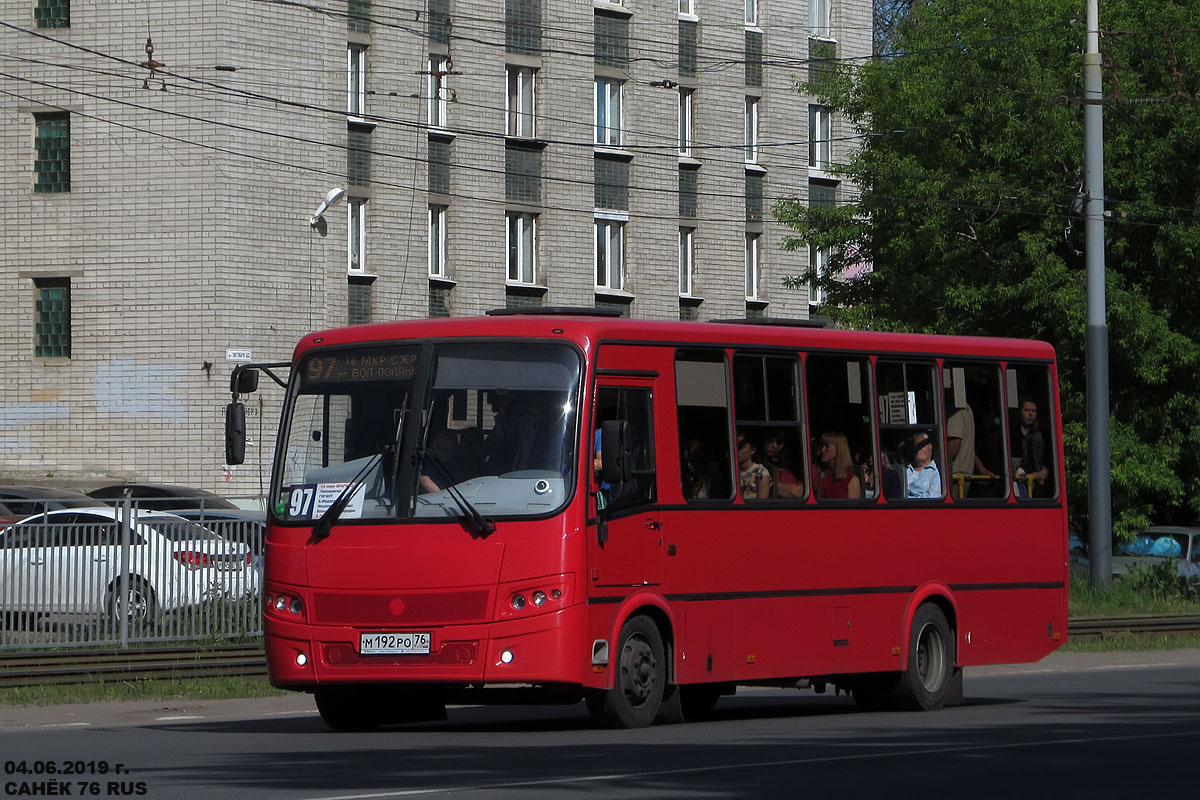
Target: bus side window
(766, 396)
(910, 431)
(634, 406)
(702, 401)
(843, 439)
(975, 453)
(1031, 431)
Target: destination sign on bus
(375, 366)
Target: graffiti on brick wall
(128, 389)
(15, 416)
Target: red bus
(557, 505)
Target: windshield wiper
(475, 522)
(323, 525)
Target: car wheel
(926, 681)
(137, 605)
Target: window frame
(52, 120)
(687, 260)
(753, 264)
(820, 137)
(523, 227)
(356, 235)
(43, 344)
(751, 129)
(819, 13)
(609, 224)
(687, 107)
(437, 239)
(439, 68)
(356, 80)
(752, 13)
(520, 101)
(607, 96)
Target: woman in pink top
(838, 478)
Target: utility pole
(1099, 456)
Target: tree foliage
(969, 193)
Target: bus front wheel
(639, 679)
(926, 681)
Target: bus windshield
(433, 431)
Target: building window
(358, 15)
(751, 12)
(608, 111)
(687, 254)
(610, 254)
(611, 40)
(356, 80)
(687, 7)
(438, 21)
(820, 195)
(53, 326)
(754, 58)
(818, 18)
(752, 264)
(439, 68)
(685, 121)
(751, 130)
(437, 241)
(519, 104)
(820, 136)
(523, 26)
(522, 247)
(356, 236)
(52, 146)
(52, 13)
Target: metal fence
(87, 577)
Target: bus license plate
(394, 644)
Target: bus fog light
(539, 598)
(506, 656)
(556, 594)
(301, 659)
(280, 603)
(518, 601)
(294, 607)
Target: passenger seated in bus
(779, 463)
(838, 477)
(753, 477)
(698, 471)
(922, 476)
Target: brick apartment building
(161, 161)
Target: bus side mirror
(616, 452)
(235, 433)
(243, 381)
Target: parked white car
(77, 562)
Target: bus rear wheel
(926, 681)
(639, 679)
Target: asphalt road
(1112, 725)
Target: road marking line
(617, 776)
(175, 719)
(65, 725)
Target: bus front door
(625, 542)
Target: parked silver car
(1166, 543)
(80, 562)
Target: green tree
(969, 183)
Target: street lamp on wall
(317, 220)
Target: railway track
(93, 666)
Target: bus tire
(640, 676)
(347, 709)
(925, 683)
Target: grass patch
(1142, 590)
(1130, 643)
(158, 689)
